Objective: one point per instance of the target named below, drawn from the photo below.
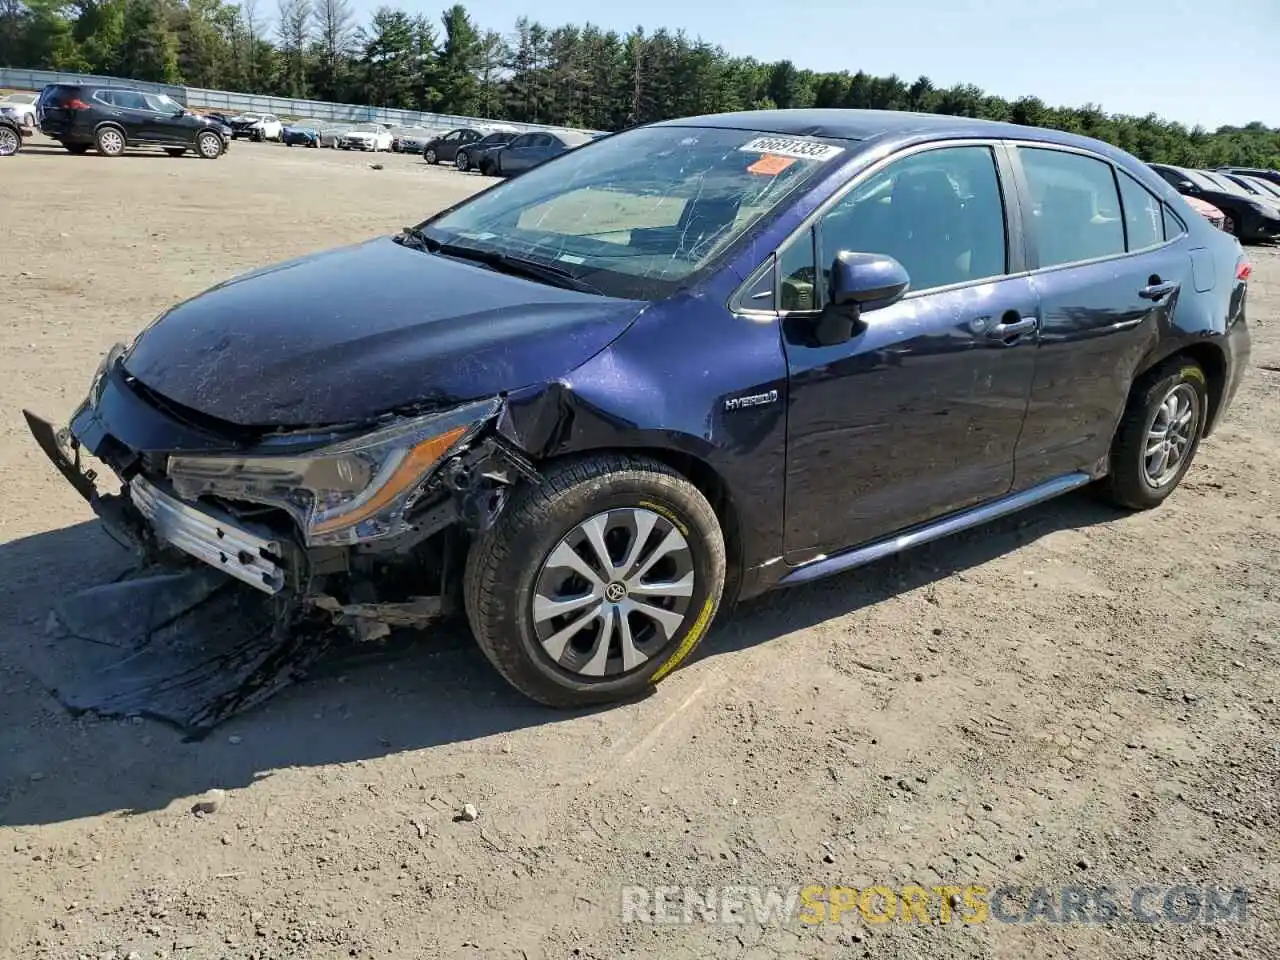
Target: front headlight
(345, 493)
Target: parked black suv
(113, 118)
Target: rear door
(1108, 277)
(129, 109)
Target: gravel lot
(1073, 696)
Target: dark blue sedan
(300, 135)
(672, 369)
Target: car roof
(866, 124)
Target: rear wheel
(462, 161)
(1158, 435)
(598, 582)
(110, 141)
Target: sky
(1210, 62)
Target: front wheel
(209, 145)
(1158, 435)
(10, 141)
(429, 156)
(598, 582)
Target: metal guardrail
(228, 101)
(16, 78)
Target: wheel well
(713, 487)
(114, 126)
(1214, 364)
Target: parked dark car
(1263, 189)
(531, 149)
(300, 135)
(222, 118)
(10, 133)
(475, 155)
(676, 368)
(444, 149)
(1261, 173)
(1252, 218)
(115, 118)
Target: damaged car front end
(360, 521)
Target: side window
(1173, 225)
(939, 213)
(1143, 214)
(1075, 206)
(129, 99)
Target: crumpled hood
(351, 333)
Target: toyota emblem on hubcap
(615, 592)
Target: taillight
(1244, 271)
(75, 103)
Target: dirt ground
(1071, 697)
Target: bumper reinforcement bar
(210, 537)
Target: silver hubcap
(431, 156)
(1169, 438)
(112, 142)
(461, 161)
(8, 142)
(613, 593)
(210, 146)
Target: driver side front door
(918, 414)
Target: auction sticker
(791, 147)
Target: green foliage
(575, 75)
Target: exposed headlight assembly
(348, 492)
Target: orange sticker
(770, 165)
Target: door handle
(1015, 328)
(1158, 291)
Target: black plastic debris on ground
(190, 647)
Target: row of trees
(578, 76)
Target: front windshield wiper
(505, 262)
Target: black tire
(76, 148)
(175, 151)
(504, 564)
(209, 146)
(110, 140)
(1128, 483)
(10, 141)
(430, 156)
(259, 136)
(462, 161)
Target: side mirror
(859, 282)
(1186, 186)
(867, 280)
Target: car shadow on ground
(362, 703)
(46, 149)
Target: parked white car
(366, 136)
(23, 106)
(256, 126)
